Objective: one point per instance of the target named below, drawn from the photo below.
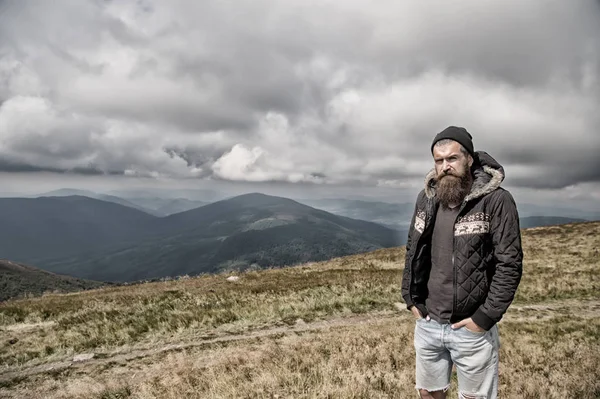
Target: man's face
(453, 174)
(450, 161)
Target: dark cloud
(7, 166)
(14, 167)
(90, 171)
(199, 159)
(332, 92)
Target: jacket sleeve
(406, 275)
(506, 239)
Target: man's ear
(470, 161)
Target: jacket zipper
(412, 265)
(454, 294)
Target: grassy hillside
(318, 330)
(17, 280)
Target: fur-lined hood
(488, 174)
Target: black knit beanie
(459, 134)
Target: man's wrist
(482, 320)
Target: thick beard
(451, 189)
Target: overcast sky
(311, 96)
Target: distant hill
(178, 205)
(157, 206)
(529, 210)
(539, 221)
(34, 229)
(392, 215)
(68, 192)
(204, 195)
(17, 280)
(252, 230)
(166, 206)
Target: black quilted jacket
(487, 248)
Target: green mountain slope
(18, 280)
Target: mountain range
(144, 236)
(160, 202)
(143, 201)
(99, 240)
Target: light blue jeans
(475, 355)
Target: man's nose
(446, 166)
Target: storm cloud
(323, 92)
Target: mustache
(443, 175)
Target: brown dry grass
(557, 354)
(561, 262)
(373, 360)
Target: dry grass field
(320, 330)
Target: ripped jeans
(475, 355)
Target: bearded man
(463, 266)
